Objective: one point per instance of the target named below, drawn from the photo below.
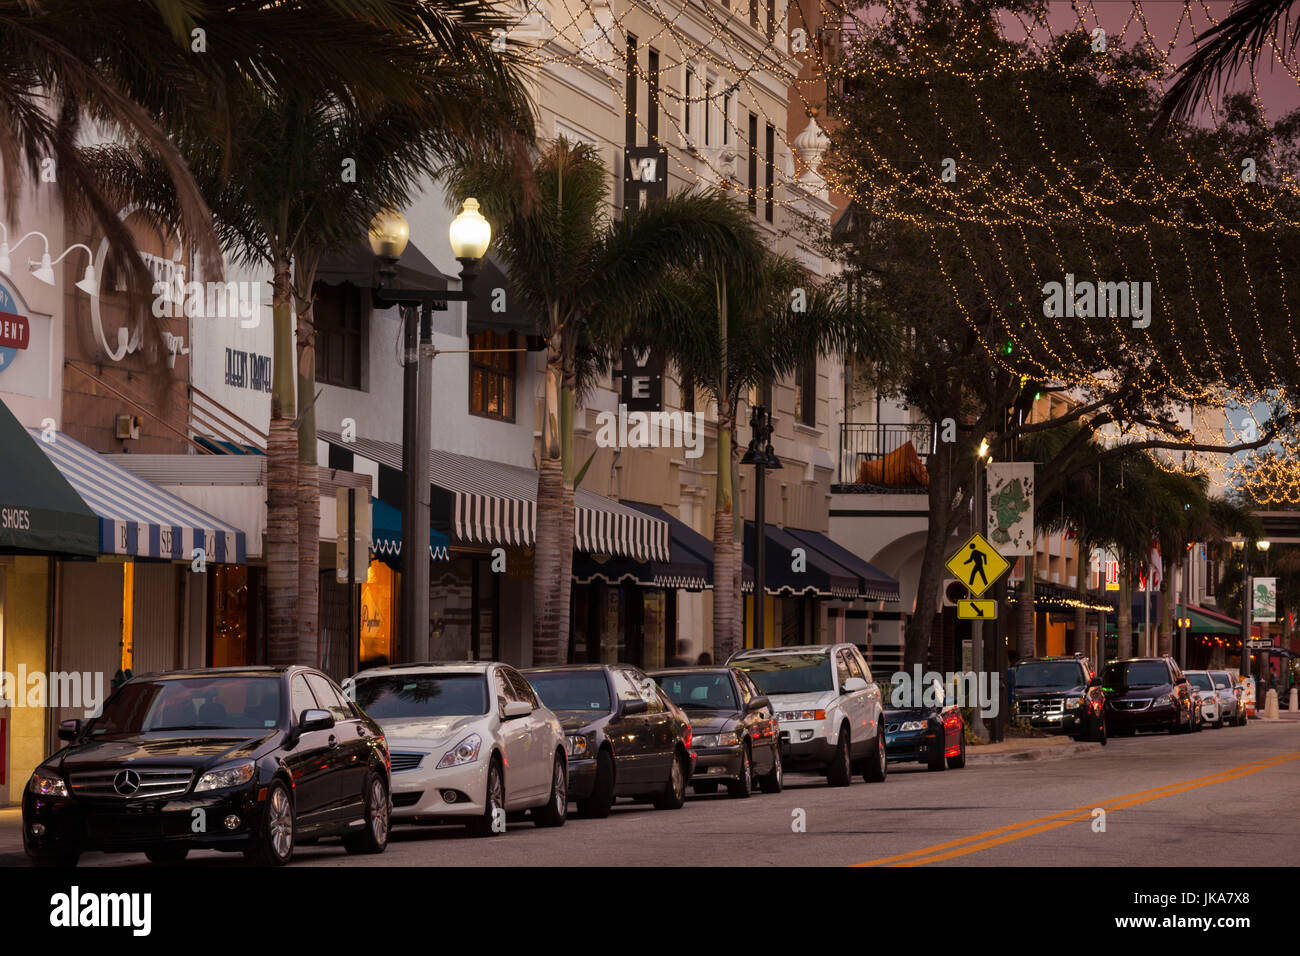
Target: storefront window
(231, 606)
(378, 592)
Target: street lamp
(1247, 597)
(469, 235)
(761, 455)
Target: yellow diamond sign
(977, 565)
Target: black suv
(252, 758)
(1149, 693)
(1061, 695)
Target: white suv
(827, 705)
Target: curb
(1021, 756)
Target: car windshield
(789, 673)
(1200, 681)
(1049, 674)
(572, 690)
(1136, 674)
(191, 703)
(421, 695)
(712, 691)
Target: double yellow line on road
(1018, 831)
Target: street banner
(1265, 599)
(1011, 507)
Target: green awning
(39, 510)
(1204, 623)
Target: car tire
(274, 842)
(939, 762)
(959, 761)
(556, 809)
(601, 801)
(744, 787)
(673, 795)
(378, 818)
(840, 771)
(1100, 728)
(774, 780)
(877, 767)
(494, 801)
(167, 854)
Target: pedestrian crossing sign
(977, 564)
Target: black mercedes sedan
(253, 759)
(624, 737)
(733, 729)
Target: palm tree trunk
(726, 561)
(1124, 618)
(1079, 643)
(564, 591)
(551, 534)
(1167, 608)
(282, 486)
(308, 495)
(1025, 624)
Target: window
(652, 82)
(624, 686)
(726, 118)
(805, 392)
(771, 19)
(505, 693)
(769, 152)
(842, 672)
(300, 698)
(753, 162)
(523, 691)
(630, 108)
(648, 690)
(708, 108)
(328, 697)
(340, 314)
(688, 106)
(492, 376)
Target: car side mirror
(70, 730)
(628, 708)
(758, 703)
(853, 685)
(516, 708)
(315, 720)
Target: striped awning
(493, 503)
(136, 517)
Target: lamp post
(980, 520)
(470, 235)
(762, 457)
(1247, 596)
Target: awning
(1205, 621)
(489, 312)
(39, 509)
(136, 517)
(386, 535)
(358, 266)
(815, 574)
(491, 503)
(873, 584)
(688, 570)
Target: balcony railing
(875, 457)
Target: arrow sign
(977, 610)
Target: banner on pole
(1265, 599)
(1011, 507)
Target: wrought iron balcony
(884, 459)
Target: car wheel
(674, 794)
(494, 802)
(379, 818)
(556, 809)
(840, 772)
(273, 844)
(598, 805)
(959, 761)
(743, 787)
(705, 787)
(878, 765)
(774, 780)
(167, 854)
(1220, 722)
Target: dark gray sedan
(733, 729)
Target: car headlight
(729, 739)
(802, 715)
(909, 725)
(231, 775)
(706, 740)
(575, 745)
(1164, 699)
(464, 752)
(48, 785)
(1072, 702)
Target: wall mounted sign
(645, 175)
(15, 330)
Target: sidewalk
(1017, 749)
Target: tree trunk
(1167, 608)
(1026, 639)
(919, 629)
(551, 536)
(282, 487)
(727, 557)
(308, 496)
(1124, 617)
(564, 571)
(1079, 643)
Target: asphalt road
(1167, 801)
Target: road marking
(1018, 831)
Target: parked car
(734, 730)
(1211, 704)
(1061, 695)
(623, 736)
(828, 707)
(470, 743)
(1149, 693)
(933, 735)
(1229, 691)
(250, 758)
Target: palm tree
(729, 334)
(584, 274)
(281, 202)
(1235, 41)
